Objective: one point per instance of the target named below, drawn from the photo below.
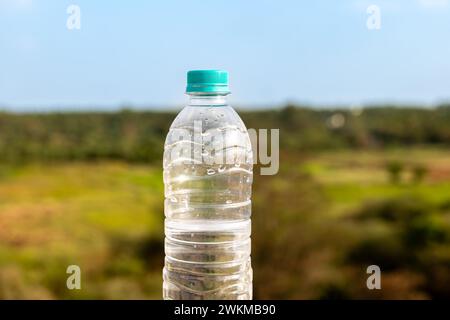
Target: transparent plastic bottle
(208, 178)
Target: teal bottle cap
(207, 81)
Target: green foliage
(395, 169)
(126, 135)
(415, 230)
(328, 214)
(419, 173)
(139, 136)
(402, 209)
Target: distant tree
(419, 173)
(395, 169)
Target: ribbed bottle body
(208, 177)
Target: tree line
(138, 136)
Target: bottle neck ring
(207, 100)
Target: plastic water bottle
(208, 177)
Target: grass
(53, 216)
(107, 217)
(351, 177)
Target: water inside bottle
(208, 206)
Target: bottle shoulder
(208, 132)
(208, 117)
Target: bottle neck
(207, 100)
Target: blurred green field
(350, 178)
(100, 216)
(312, 220)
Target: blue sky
(137, 52)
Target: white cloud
(16, 4)
(434, 3)
(398, 6)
